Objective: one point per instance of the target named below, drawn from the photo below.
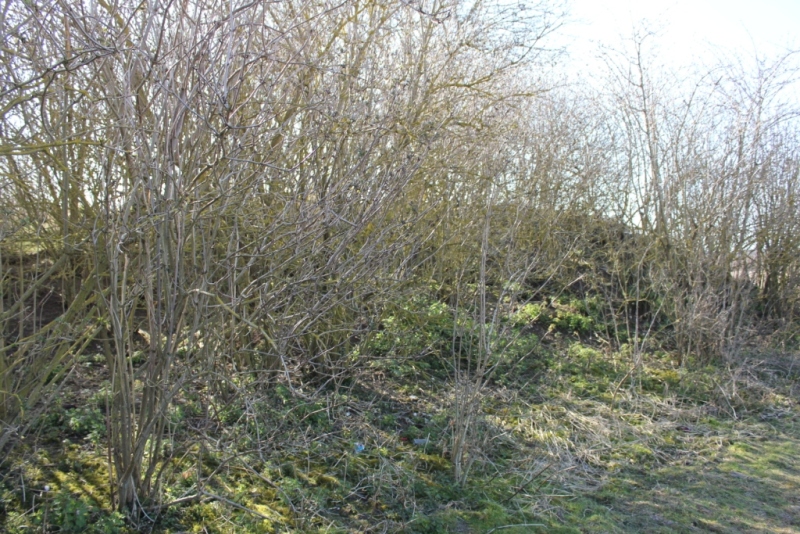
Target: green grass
(569, 438)
(722, 484)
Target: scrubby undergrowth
(572, 436)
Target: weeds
(563, 440)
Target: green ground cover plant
(568, 440)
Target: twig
(273, 485)
(534, 477)
(517, 525)
(725, 396)
(232, 503)
(182, 500)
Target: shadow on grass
(753, 485)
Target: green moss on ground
(570, 437)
